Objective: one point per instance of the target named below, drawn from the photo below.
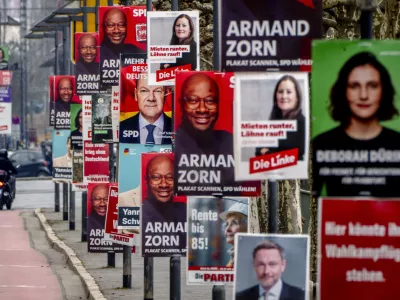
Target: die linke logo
(308, 3)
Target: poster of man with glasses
(87, 68)
(163, 216)
(121, 30)
(96, 218)
(64, 94)
(203, 123)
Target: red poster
(163, 215)
(111, 229)
(359, 248)
(5, 77)
(203, 126)
(96, 162)
(121, 30)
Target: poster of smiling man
(121, 30)
(87, 67)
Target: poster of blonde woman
(212, 225)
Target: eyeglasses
(88, 48)
(120, 26)
(193, 102)
(98, 200)
(156, 178)
(65, 89)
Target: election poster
(64, 95)
(212, 225)
(115, 113)
(286, 256)
(76, 120)
(111, 228)
(163, 215)
(203, 121)
(5, 77)
(87, 118)
(52, 112)
(62, 155)
(77, 171)
(168, 53)
(5, 93)
(268, 34)
(96, 162)
(96, 218)
(140, 121)
(359, 248)
(121, 30)
(87, 66)
(5, 117)
(77, 166)
(3, 58)
(355, 128)
(102, 130)
(271, 131)
(129, 196)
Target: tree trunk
(290, 220)
(262, 208)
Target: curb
(89, 284)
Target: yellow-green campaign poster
(355, 125)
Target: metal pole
(216, 61)
(149, 5)
(85, 19)
(71, 208)
(175, 277)
(272, 206)
(56, 71)
(218, 292)
(65, 201)
(366, 19)
(127, 267)
(148, 278)
(56, 197)
(24, 82)
(65, 50)
(174, 5)
(84, 217)
(111, 254)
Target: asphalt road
(38, 193)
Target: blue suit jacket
(132, 123)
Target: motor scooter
(6, 194)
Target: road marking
(23, 266)
(24, 286)
(8, 226)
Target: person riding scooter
(6, 165)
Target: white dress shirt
(158, 130)
(273, 294)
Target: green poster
(355, 124)
(3, 58)
(76, 126)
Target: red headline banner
(278, 160)
(169, 73)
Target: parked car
(30, 163)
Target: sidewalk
(109, 280)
